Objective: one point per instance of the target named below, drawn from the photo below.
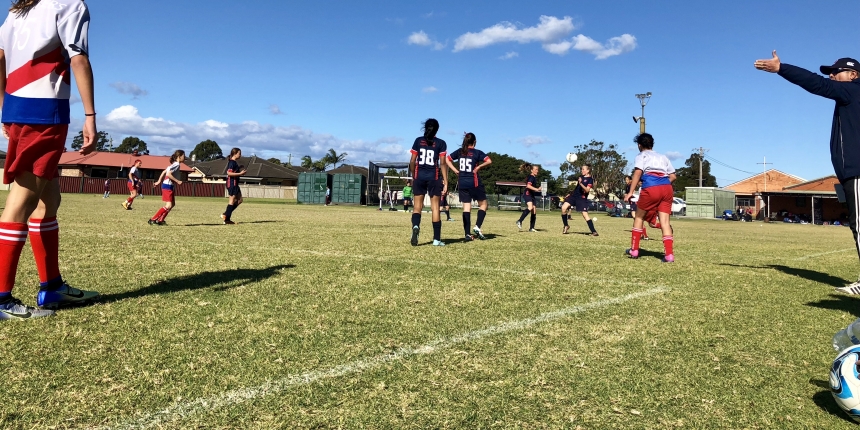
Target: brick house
(815, 200)
(260, 172)
(748, 191)
(110, 165)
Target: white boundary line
(821, 254)
(269, 388)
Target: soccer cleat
(450, 219)
(594, 233)
(669, 258)
(13, 309)
(469, 238)
(415, 231)
(565, 229)
(631, 253)
(228, 222)
(152, 222)
(531, 230)
(223, 217)
(646, 238)
(520, 225)
(63, 297)
(125, 205)
(478, 233)
(852, 288)
(438, 243)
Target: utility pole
(764, 172)
(290, 160)
(643, 100)
(702, 152)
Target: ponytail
(526, 168)
(176, 155)
(431, 127)
(21, 7)
(469, 140)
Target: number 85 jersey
(467, 161)
(429, 153)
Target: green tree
(688, 176)
(607, 167)
(274, 160)
(307, 162)
(507, 168)
(131, 144)
(207, 150)
(103, 141)
(333, 158)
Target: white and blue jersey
(167, 184)
(655, 168)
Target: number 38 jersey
(429, 154)
(466, 162)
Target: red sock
(130, 200)
(13, 236)
(164, 214)
(45, 241)
(157, 215)
(637, 236)
(668, 243)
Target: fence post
(82, 185)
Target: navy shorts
(527, 199)
(469, 194)
(582, 205)
(234, 191)
(422, 187)
(571, 200)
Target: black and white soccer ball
(845, 381)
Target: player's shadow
(221, 223)
(824, 400)
(812, 275)
(647, 253)
(847, 304)
(223, 279)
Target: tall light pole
(643, 100)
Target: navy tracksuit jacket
(845, 132)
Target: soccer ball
(844, 382)
(571, 157)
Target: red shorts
(657, 198)
(34, 148)
(167, 196)
(132, 186)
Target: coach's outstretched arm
(809, 81)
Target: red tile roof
(116, 159)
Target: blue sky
(531, 79)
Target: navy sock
(229, 212)
(437, 230)
(52, 285)
(524, 215)
(416, 219)
(448, 214)
(481, 214)
(533, 219)
(467, 221)
(564, 219)
(591, 226)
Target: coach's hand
(771, 65)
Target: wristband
(90, 114)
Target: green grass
(735, 334)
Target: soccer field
(326, 317)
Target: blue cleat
(64, 296)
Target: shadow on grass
(647, 253)
(812, 275)
(847, 304)
(221, 223)
(229, 278)
(824, 400)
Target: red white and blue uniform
(469, 183)
(167, 185)
(657, 192)
(233, 181)
(427, 175)
(134, 179)
(529, 195)
(38, 47)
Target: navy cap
(842, 63)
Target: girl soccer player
(443, 205)
(167, 181)
(133, 184)
(407, 196)
(657, 174)
(428, 179)
(233, 174)
(40, 43)
(578, 198)
(532, 190)
(470, 160)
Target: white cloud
(509, 55)
(550, 29)
(429, 90)
(275, 109)
(674, 155)
(530, 141)
(265, 140)
(421, 38)
(129, 88)
(615, 46)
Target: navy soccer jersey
(232, 167)
(534, 182)
(429, 153)
(584, 182)
(467, 161)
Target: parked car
(679, 206)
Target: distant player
(407, 196)
(40, 44)
(107, 189)
(657, 174)
(168, 182)
(234, 171)
(578, 199)
(444, 206)
(470, 160)
(532, 191)
(429, 178)
(133, 184)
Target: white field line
(821, 254)
(182, 411)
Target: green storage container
(700, 211)
(348, 188)
(718, 199)
(312, 187)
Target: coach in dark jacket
(844, 88)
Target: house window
(800, 202)
(746, 201)
(150, 174)
(122, 173)
(99, 172)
